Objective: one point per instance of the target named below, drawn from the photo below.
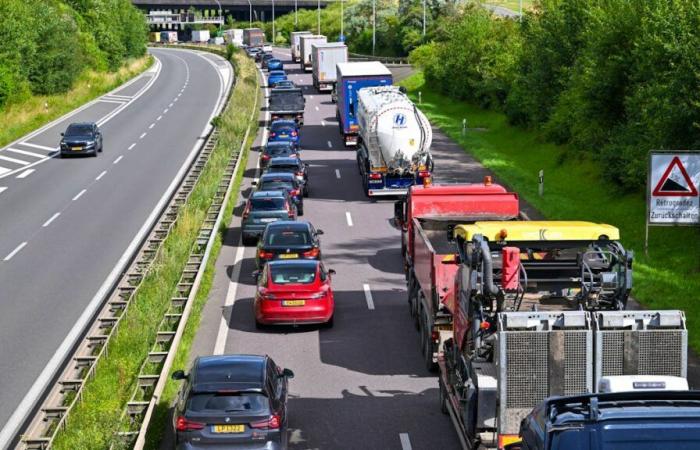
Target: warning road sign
(674, 178)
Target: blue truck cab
(351, 77)
(632, 420)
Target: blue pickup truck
(351, 77)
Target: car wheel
(94, 155)
(247, 240)
(259, 326)
(329, 324)
(306, 192)
(427, 346)
(300, 211)
(443, 398)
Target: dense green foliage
(46, 44)
(611, 78)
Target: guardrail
(51, 415)
(389, 60)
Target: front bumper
(83, 151)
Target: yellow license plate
(284, 135)
(229, 428)
(293, 302)
(76, 149)
(289, 255)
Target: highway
(361, 384)
(68, 226)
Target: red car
(293, 292)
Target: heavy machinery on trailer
(427, 216)
(393, 150)
(538, 313)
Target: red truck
(427, 216)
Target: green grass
(669, 278)
(513, 5)
(94, 420)
(21, 118)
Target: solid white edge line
(32, 396)
(3, 189)
(48, 222)
(80, 194)
(405, 441)
(368, 296)
(15, 251)
(348, 218)
(222, 335)
(118, 159)
(98, 177)
(337, 173)
(132, 146)
(26, 173)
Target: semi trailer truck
(306, 41)
(253, 37)
(324, 59)
(295, 41)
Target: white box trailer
(306, 41)
(324, 58)
(294, 41)
(234, 36)
(168, 36)
(200, 35)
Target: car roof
(277, 72)
(269, 194)
(283, 160)
(278, 175)
(289, 225)
(80, 124)
(242, 372)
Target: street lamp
(221, 21)
(318, 18)
(342, 21)
(374, 25)
(424, 18)
(273, 22)
(250, 15)
(296, 17)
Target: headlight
(89, 145)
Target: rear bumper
(385, 192)
(293, 315)
(269, 445)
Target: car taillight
(424, 173)
(266, 157)
(294, 192)
(183, 424)
(273, 134)
(300, 174)
(273, 422)
(265, 255)
(318, 295)
(313, 253)
(354, 127)
(246, 211)
(294, 133)
(375, 176)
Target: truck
(305, 43)
(234, 36)
(200, 35)
(394, 137)
(539, 311)
(287, 103)
(426, 218)
(351, 77)
(294, 40)
(168, 36)
(253, 37)
(324, 58)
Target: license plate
(228, 428)
(293, 302)
(284, 135)
(76, 149)
(268, 220)
(289, 255)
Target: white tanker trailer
(393, 151)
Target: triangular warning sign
(675, 183)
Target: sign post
(673, 196)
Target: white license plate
(268, 220)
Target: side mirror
(331, 272)
(254, 182)
(399, 216)
(179, 375)
(287, 373)
(255, 274)
(319, 232)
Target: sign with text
(674, 178)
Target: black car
(233, 402)
(291, 165)
(259, 55)
(262, 208)
(264, 60)
(277, 149)
(287, 239)
(273, 181)
(83, 138)
(285, 84)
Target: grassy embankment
(513, 5)
(94, 420)
(669, 278)
(21, 118)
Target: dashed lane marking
(26, 173)
(151, 126)
(370, 300)
(316, 108)
(132, 146)
(15, 251)
(337, 173)
(48, 222)
(80, 194)
(348, 218)
(323, 123)
(330, 145)
(118, 159)
(98, 177)
(2, 189)
(159, 117)
(143, 135)
(405, 441)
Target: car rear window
(293, 274)
(276, 185)
(229, 403)
(279, 151)
(284, 167)
(283, 129)
(267, 204)
(288, 237)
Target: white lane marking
(142, 135)
(368, 296)
(151, 126)
(117, 101)
(170, 105)
(15, 251)
(165, 111)
(159, 117)
(330, 145)
(132, 146)
(126, 97)
(348, 217)
(337, 173)
(316, 108)
(405, 441)
(104, 172)
(24, 152)
(48, 222)
(310, 96)
(178, 95)
(2, 189)
(118, 159)
(80, 194)
(41, 147)
(222, 335)
(21, 162)
(4, 170)
(176, 99)
(26, 173)
(323, 123)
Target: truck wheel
(427, 342)
(443, 397)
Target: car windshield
(248, 403)
(293, 274)
(79, 130)
(288, 237)
(282, 150)
(267, 204)
(276, 185)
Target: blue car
(274, 64)
(275, 76)
(274, 181)
(284, 131)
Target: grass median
(95, 419)
(21, 118)
(574, 189)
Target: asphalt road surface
(65, 224)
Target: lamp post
(374, 26)
(273, 22)
(424, 18)
(318, 17)
(342, 21)
(296, 17)
(250, 14)
(221, 20)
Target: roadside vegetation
(97, 416)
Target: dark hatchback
(288, 240)
(277, 150)
(284, 130)
(291, 165)
(81, 139)
(272, 181)
(232, 402)
(262, 208)
(266, 58)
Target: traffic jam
(523, 324)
